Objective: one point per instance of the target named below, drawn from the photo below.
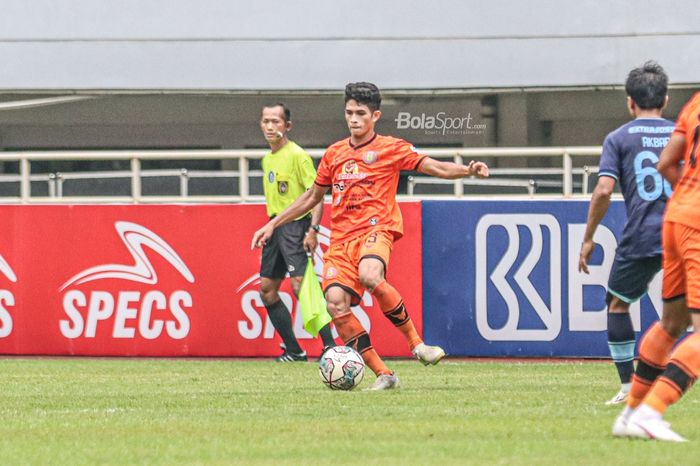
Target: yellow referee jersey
(288, 173)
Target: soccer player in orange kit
(363, 173)
(665, 374)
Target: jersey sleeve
(408, 156)
(324, 176)
(683, 117)
(307, 172)
(610, 159)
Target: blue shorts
(629, 278)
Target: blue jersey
(630, 154)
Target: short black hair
(647, 85)
(287, 113)
(364, 93)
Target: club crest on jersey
(370, 157)
(372, 221)
(271, 177)
(331, 272)
(351, 167)
(282, 187)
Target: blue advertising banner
(500, 278)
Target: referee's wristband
(314, 228)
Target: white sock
(627, 412)
(644, 411)
(625, 387)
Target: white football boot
(428, 354)
(651, 429)
(619, 428)
(385, 382)
(619, 398)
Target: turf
(169, 412)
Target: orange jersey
(684, 206)
(364, 180)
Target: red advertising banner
(162, 280)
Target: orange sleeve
(323, 174)
(686, 114)
(408, 156)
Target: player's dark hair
(364, 93)
(285, 110)
(647, 85)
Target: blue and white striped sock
(621, 341)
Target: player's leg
(272, 272)
(343, 290)
(621, 343)
(654, 351)
(656, 344)
(281, 319)
(355, 336)
(629, 279)
(684, 365)
(680, 374)
(375, 253)
(645, 421)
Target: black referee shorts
(284, 252)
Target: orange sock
(392, 306)
(355, 336)
(654, 350)
(679, 376)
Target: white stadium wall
(317, 45)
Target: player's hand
(584, 256)
(261, 236)
(310, 242)
(478, 169)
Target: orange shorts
(681, 245)
(341, 261)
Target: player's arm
(304, 203)
(311, 237)
(670, 159)
(307, 172)
(451, 170)
(600, 201)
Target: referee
(288, 173)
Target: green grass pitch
(169, 412)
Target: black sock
(621, 344)
(282, 321)
(327, 335)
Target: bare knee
(676, 326)
(371, 273)
(675, 319)
(337, 301)
(617, 306)
(269, 292)
(296, 285)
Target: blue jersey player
(630, 154)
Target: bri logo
(7, 300)
(154, 310)
(548, 313)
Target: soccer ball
(341, 368)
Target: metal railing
(529, 185)
(243, 173)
